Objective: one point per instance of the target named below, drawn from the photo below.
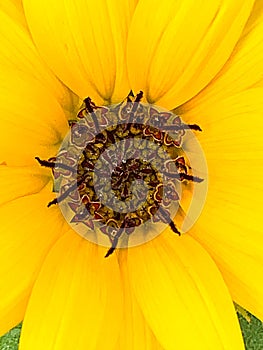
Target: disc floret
(120, 167)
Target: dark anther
(49, 164)
(113, 247)
(65, 194)
(183, 176)
(181, 127)
(174, 228)
(45, 163)
(109, 252)
(90, 107)
(131, 94)
(194, 127)
(54, 201)
(138, 97)
(166, 218)
(52, 165)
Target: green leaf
(10, 340)
(252, 332)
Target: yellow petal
(86, 43)
(14, 9)
(18, 54)
(244, 68)
(182, 295)
(254, 19)
(232, 128)
(135, 332)
(28, 231)
(230, 226)
(176, 47)
(238, 254)
(76, 302)
(32, 121)
(16, 182)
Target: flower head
(172, 291)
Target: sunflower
(204, 62)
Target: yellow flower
(205, 61)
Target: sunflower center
(120, 170)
